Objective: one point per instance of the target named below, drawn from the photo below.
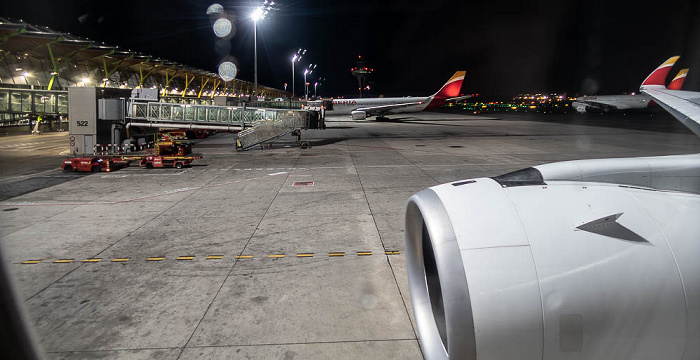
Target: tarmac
(277, 252)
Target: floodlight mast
(256, 15)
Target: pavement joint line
(213, 299)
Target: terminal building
(39, 65)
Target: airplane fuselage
(346, 106)
(612, 102)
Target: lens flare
(227, 70)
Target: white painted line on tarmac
(278, 173)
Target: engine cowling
(358, 115)
(562, 270)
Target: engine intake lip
(437, 280)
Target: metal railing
(174, 112)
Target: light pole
(315, 86)
(295, 58)
(257, 14)
(308, 71)
(306, 84)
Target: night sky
(578, 47)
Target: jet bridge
(256, 125)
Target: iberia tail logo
(452, 86)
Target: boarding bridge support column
(82, 119)
(243, 117)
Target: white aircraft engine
(358, 115)
(521, 267)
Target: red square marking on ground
(303, 183)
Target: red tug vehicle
(94, 164)
(170, 150)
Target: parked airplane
(622, 102)
(360, 109)
(588, 259)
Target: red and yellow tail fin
(452, 86)
(658, 76)
(677, 82)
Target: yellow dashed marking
(210, 257)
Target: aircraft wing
(458, 98)
(382, 109)
(597, 105)
(683, 105)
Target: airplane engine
(580, 107)
(358, 115)
(505, 268)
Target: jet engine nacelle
(358, 115)
(580, 107)
(557, 270)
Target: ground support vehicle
(178, 162)
(94, 164)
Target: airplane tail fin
(658, 76)
(452, 86)
(677, 82)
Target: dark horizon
(545, 47)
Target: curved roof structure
(40, 56)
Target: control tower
(363, 72)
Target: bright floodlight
(257, 14)
(222, 27)
(227, 70)
(215, 9)
(86, 80)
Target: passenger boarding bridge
(256, 125)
